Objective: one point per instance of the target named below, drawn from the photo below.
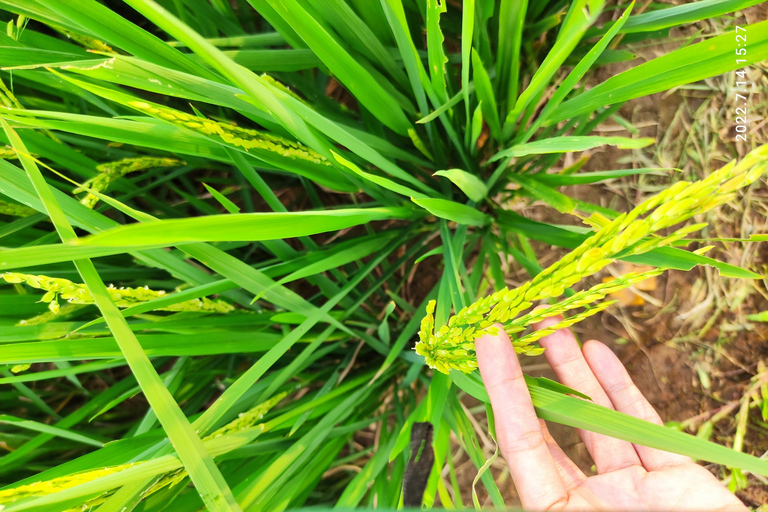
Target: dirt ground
(689, 346)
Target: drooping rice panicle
(46, 487)
(8, 153)
(110, 172)
(249, 418)
(452, 345)
(76, 293)
(280, 85)
(246, 138)
(578, 300)
(50, 316)
(7, 98)
(15, 209)
(88, 42)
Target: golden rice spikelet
(452, 345)
(249, 418)
(235, 135)
(89, 42)
(15, 209)
(76, 293)
(55, 485)
(280, 85)
(110, 172)
(8, 153)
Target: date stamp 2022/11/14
(742, 85)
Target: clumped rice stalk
(112, 171)
(452, 345)
(397, 94)
(76, 293)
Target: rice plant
(247, 244)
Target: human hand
(630, 477)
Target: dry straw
(452, 346)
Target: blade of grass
(568, 144)
(680, 14)
(467, 28)
(107, 25)
(242, 226)
(454, 211)
(485, 95)
(585, 178)
(435, 53)
(511, 21)
(35, 426)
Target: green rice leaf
(468, 183)
(511, 21)
(116, 30)
(13, 421)
(576, 22)
(223, 201)
(348, 70)
(241, 226)
(584, 178)
(451, 210)
(435, 51)
(681, 14)
(555, 406)
(467, 29)
(568, 144)
(552, 197)
(485, 95)
(579, 71)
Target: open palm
(630, 477)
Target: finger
(626, 398)
(517, 428)
(570, 473)
(565, 358)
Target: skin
(630, 477)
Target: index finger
(518, 430)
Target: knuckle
(505, 383)
(530, 440)
(621, 387)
